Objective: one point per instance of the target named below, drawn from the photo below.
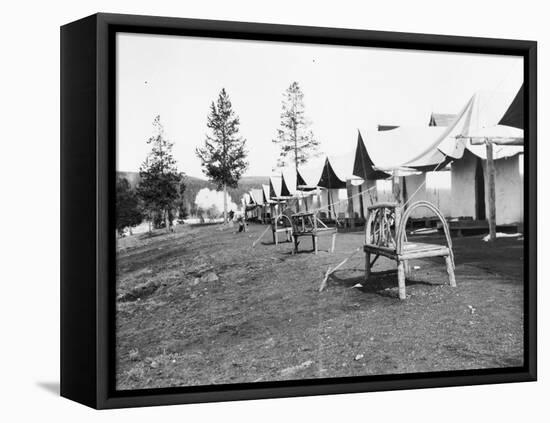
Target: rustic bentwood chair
(281, 224)
(308, 224)
(385, 235)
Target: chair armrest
(400, 235)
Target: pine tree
(160, 183)
(128, 213)
(223, 156)
(296, 141)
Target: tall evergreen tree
(223, 157)
(160, 183)
(295, 139)
(128, 213)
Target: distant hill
(193, 185)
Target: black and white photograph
(281, 212)
(290, 211)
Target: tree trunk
(224, 203)
(167, 220)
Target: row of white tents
(444, 162)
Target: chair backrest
(386, 225)
(382, 223)
(401, 235)
(303, 222)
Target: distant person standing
(242, 223)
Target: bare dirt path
(202, 306)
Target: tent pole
(329, 204)
(396, 188)
(349, 188)
(491, 193)
(361, 204)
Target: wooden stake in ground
(261, 236)
(491, 194)
(331, 271)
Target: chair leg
(333, 242)
(401, 279)
(295, 249)
(275, 240)
(367, 267)
(314, 239)
(450, 271)
(407, 269)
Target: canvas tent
(484, 110)
(307, 180)
(265, 194)
(301, 199)
(405, 149)
(363, 166)
(320, 184)
(254, 205)
(339, 181)
(278, 189)
(432, 148)
(266, 201)
(364, 192)
(476, 192)
(382, 155)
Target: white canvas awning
(405, 148)
(479, 116)
(265, 192)
(256, 196)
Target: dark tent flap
(284, 189)
(434, 167)
(329, 179)
(301, 183)
(363, 167)
(272, 193)
(514, 115)
(387, 127)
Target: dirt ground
(202, 306)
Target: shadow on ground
(377, 283)
(51, 387)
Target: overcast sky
(345, 88)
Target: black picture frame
(87, 206)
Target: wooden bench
(385, 235)
(308, 224)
